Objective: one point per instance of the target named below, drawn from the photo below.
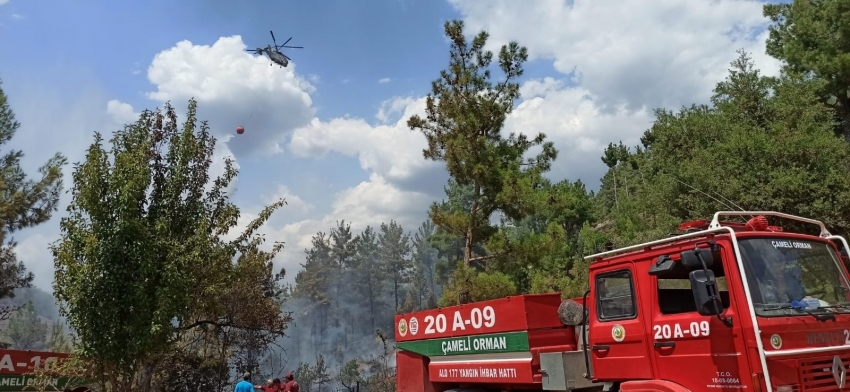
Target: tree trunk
(395, 292)
(473, 211)
(431, 279)
(616, 203)
(843, 112)
(371, 307)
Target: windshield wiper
(818, 316)
(844, 306)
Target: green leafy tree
(448, 244)
(470, 285)
(763, 144)
(550, 235)
(24, 203)
(143, 261)
(26, 331)
(465, 114)
(813, 37)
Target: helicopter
(274, 53)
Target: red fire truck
(18, 371)
(724, 306)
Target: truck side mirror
(705, 292)
(662, 266)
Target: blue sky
(595, 75)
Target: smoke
(344, 303)
(339, 328)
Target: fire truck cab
(725, 306)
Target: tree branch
(224, 324)
(483, 258)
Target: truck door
(617, 337)
(699, 352)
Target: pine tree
(394, 248)
(23, 203)
(465, 114)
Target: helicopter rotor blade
(293, 47)
(273, 40)
(287, 41)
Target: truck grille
(816, 374)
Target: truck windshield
(790, 277)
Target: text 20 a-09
(477, 318)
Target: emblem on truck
(618, 333)
(414, 326)
(776, 341)
(402, 327)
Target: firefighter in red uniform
(291, 385)
(271, 386)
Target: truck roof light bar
(715, 222)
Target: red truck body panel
(494, 342)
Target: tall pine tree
(465, 114)
(24, 203)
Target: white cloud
(571, 118)
(4, 2)
(292, 200)
(658, 54)
(393, 151)
(217, 167)
(368, 204)
(385, 80)
(397, 106)
(17, 16)
(234, 88)
(121, 112)
(378, 201)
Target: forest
(148, 221)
